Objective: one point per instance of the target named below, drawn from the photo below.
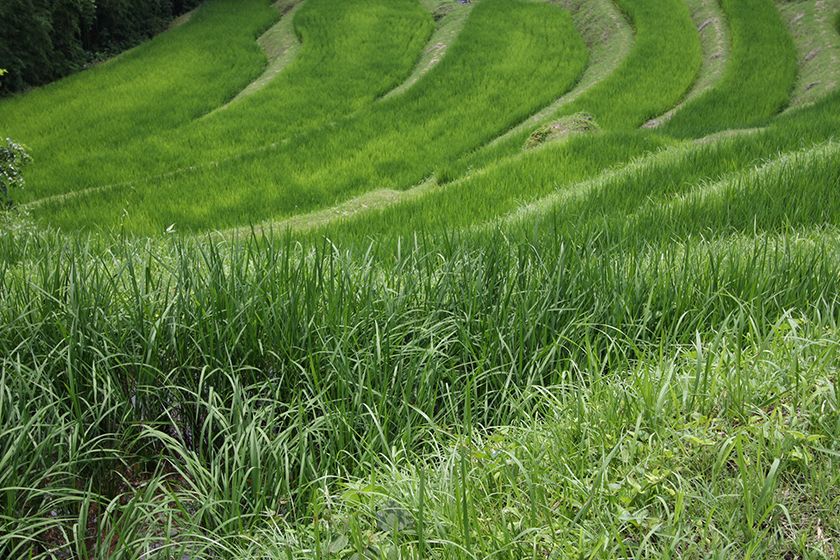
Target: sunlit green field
(416, 279)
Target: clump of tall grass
(725, 446)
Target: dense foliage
(42, 40)
(13, 157)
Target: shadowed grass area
(759, 78)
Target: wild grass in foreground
(226, 398)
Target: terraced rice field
(421, 279)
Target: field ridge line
(446, 33)
(715, 39)
(280, 45)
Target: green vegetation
(812, 27)
(658, 71)
(469, 306)
(344, 364)
(164, 83)
(759, 77)
(499, 189)
(353, 51)
(510, 58)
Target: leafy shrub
(13, 158)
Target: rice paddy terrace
(367, 279)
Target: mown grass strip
(812, 26)
(759, 78)
(601, 206)
(450, 19)
(280, 45)
(711, 24)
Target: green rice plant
(759, 78)
(179, 75)
(662, 64)
(794, 190)
(352, 52)
(506, 63)
(661, 67)
(496, 190)
(600, 207)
